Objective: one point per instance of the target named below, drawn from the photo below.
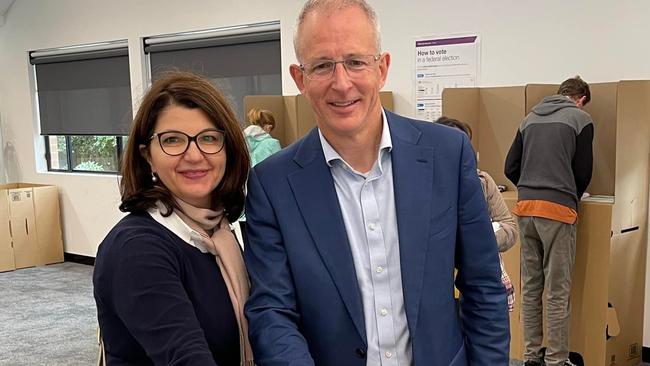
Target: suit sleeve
(271, 309)
(513, 159)
(151, 300)
(583, 159)
(483, 302)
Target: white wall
(522, 42)
(89, 202)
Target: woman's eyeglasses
(175, 143)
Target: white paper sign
(442, 62)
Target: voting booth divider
(607, 298)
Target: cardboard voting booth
(30, 227)
(607, 298)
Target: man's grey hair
(332, 5)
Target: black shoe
(533, 363)
(569, 363)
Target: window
(241, 60)
(84, 105)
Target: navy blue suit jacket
(305, 307)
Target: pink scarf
(224, 246)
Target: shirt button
(388, 354)
(383, 312)
(379, 269)
(371, 226)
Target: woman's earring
(153, 177)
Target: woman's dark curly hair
(188, 90)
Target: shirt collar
(386, 143)
(177, 226)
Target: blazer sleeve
(271, 309)
(483, 302)
(151, 300)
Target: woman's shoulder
(134, 223)
(136, 231)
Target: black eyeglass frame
(189, 140)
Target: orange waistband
(547, 210)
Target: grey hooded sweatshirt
(551, 157)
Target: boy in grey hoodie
(550, 162)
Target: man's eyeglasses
(324, 69)
(176, 143)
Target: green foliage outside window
(89, 166)
(94, 153)
(87, 153)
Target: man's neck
(360, 150)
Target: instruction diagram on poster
(442, 62)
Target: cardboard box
(30, 228)
(612, 237)
(293, 114)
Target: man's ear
(298, 77)
(384, 64)
(581, 101)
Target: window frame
(73, 53)
(119, 151)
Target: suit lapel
(313, 189)
(413, 170)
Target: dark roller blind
(240, 65)
(246, 59)
(84, 93)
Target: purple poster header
(445, 41)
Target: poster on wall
(442, 62)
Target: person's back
(550, 135)
(550, 162)
(260, 143)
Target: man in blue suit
(354, 231)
